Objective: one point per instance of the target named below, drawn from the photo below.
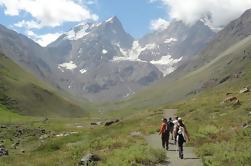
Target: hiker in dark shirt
(171, 126)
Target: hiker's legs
(167, 141)
(171, 132)
(175, 138)
(181, 155)
(163, 140)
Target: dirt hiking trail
(172, 159)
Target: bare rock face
(244, 90)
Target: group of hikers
(178, 132)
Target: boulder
(3, 151)
(44, 136)
(108, 123)
(230, 99)
(99, 123)
(244, 90)
(116, 121)
(96, 123)
(237, 102)
(3, 127)
(228, 93)
(244, 125)
(89, 159)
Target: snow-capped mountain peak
(103, 62)
(112, 19)
(78, 31)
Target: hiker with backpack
(171, 126)
(181, 135)
(164, 132)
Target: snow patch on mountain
(166, 64)
(110, 20)
(83, 71)
(170, 40)
(104, 51)
(68, 66)
(80, 31)
(133, 53)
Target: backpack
(170, 124)
(180, 133)
(166, 129)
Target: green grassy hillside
(220, 131)
(20, 92)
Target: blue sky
(45, 20)
(135, 15)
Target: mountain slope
(228, 65)
(24, 52)
(24, 94)
(234, 32)
(179, 39)
(102, 62)
(225, 58)
(84, 60)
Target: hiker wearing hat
(181, 134)
(164, 132)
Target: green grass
(113, 144)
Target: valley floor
(62, 141)
(220, 133)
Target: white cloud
(48, 13)
(220, 12)
(159, 24)
(45, 39)
(27, 24)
